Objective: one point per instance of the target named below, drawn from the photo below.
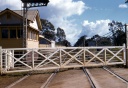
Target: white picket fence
(24, 59)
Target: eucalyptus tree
(118, 33)
(48, 30)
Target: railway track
(16, 82)
(45, 85)
(89, 78)
(115, 74)
(89, 75)
(93, 82)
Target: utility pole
(25, 9)
(126, 45)
(84, 40)
(126, 31)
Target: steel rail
(89, 78)
(16, 82)
(21, 79)
(47, 82)
(115, 74)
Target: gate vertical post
(33, 58)
(13, 59)
(6, 65)
(1, 61)
(105, 56)
(84, 57)
(124, 54)
(60, 58)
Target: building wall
(32, 41)
(32, 44)
(12, 20)
(11, 43)
(34, 24)
(9, 22)
(44, 45)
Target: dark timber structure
(126, 31)
(29, 4)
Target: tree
(60, 35)
(61, 38)
(104, 41)
(118, 34)
(48, 30)
(120, 38)
(81, 41)
(64, 43)
(95, 40)
(101, 41)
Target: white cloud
(123, 6)
(91, 28)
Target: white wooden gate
(24, 59)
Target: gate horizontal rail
(25, 59)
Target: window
(30, 34)
(20, 33)
(4, 32)
(13, 33)
(35, 36)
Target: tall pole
(126, 31)
(25, 25)
(84, 42)
(126, 45)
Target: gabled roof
(31, 13)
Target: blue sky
(79, 17)
(104, 9)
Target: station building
(11, 29)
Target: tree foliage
(118, 34)
(81, 41)
(101, 41)
(60, 35)
(64, 43)
(61, 38)
(48, 30)
(95, 40)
